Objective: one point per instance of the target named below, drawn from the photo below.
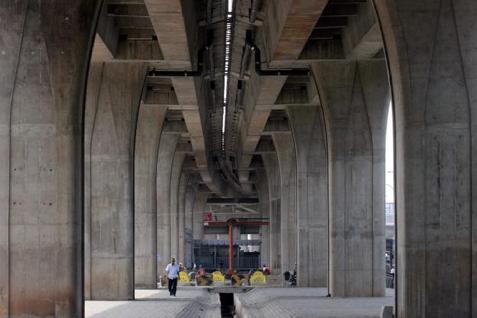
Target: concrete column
(148, 132)
(112, 190)
(181, 217)
(197, 215)
(376, 93)
(167, 149)
(270, 162)
(189, 204)
(95, 78)
(308, 128)
(356, 211)
(285, 147)
(264, 209)
(40, 155)
(174, 203)
(431, 51)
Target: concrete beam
(289, 25)
(362, 38)
(168, 22)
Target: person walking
(172, 271)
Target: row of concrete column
(328, 172)
(135, 187)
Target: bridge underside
(133, 131)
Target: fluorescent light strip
(228, 40)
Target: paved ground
(307, 303)
(197, 302)
(190, 302)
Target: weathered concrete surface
(307, 303)
(181, 217)
(112, 191)
(431, 50)
(285, 147)
(40, 155)
(148, 132)
(197, 215)
(165, 158)
(270, 162)
(376, 93)
(353, 234)
(190, 302)
(95, 77)
(289, 26)
(264, 210)
(174, 202)
(308, 128)
(189, 205)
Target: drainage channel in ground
(227, 307)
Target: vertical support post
(231, 247)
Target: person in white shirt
(172, 271)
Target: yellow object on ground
(258, 278)
(183, 277)
(218, 277)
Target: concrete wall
(431, 51)
(112, 175)
(148, 132)
(308, 128)
(40, 155)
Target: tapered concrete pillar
(308, 128)
(165, 158)
(149, 127)
(376, 93)
(181, 217)
(174, 203)
(197, 215)
(264, 210)
(431, 51)
(188, 206)
(356, 220)
(94, 85)
(285, 147)
(270, 162)
(40, 155)
(112, 190)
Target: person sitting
(266, 270)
